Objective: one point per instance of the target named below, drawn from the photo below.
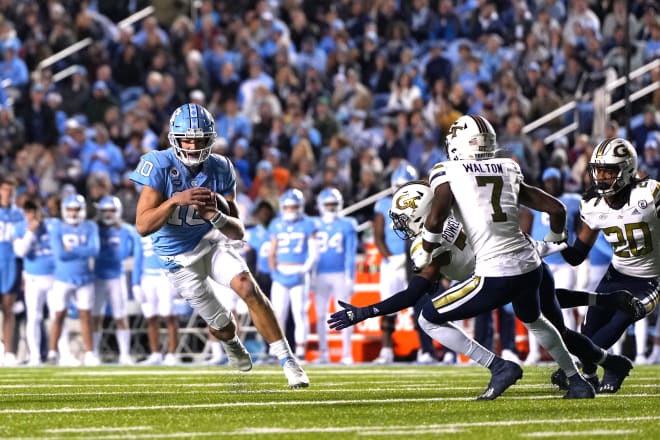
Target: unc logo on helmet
(410, 205)
(195, 124)
(613, 166)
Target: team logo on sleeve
(642, 204)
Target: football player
(118, 241)
(564, 274)
(335, 273)
(179, 205)
(10, 216)
(75, 242)
(484, 192)
(293, 255)
(627, 210)
(152, 289)
(32, 244)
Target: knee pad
(387, 323)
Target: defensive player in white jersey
(335, 272)
(484, 192)
(627, 210)
(455, 260)
(32, 244)
(182, 205)
(75, 243)
(156, 296)
(293, 256)
(10, 216)
(119, 241)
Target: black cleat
(593, 380)
(626, 302)
(501, 378)
(580, 388)
(559, 378)
(617, 369)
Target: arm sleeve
(93, 245)
(576, 253)
(417, 288)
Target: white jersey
(486, 202)
(633, 231)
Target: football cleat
(580, 388)
(626, 302)
(90, 360)
(125, 360)
(502, 377)
(170, 360)
(152, 359)
(237, 355)
(617, 369)
(593, 380)
(295, 374)
(559, 378)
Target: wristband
(556, 237)
(219, 220)
(431, 237)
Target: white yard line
(554, 434)
(287, 403)
(99, 429)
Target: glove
(420, 258)
(351, 315)
(544, 248)
(556, 237)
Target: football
(221, 204)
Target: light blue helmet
(74, 209)
(192, 121)
(329, 203)
(403, 174)
(110, 210)
(292, 204)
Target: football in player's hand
(221, 204)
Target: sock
(549, 339)
(233, 341)
(216, 349)
(124, 342)
(455, 339)
(641, 336)
(282, 350)
(96, 342)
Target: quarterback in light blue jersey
(10, 216)
(564, 274)
(182, 206)
(32, 244)
(335, 273)
(293, 254)
(152, 289)
(118, 242)
(75, 243)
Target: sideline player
(178, 205)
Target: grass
(343, 402)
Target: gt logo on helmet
(405, 202)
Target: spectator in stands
(641, 133)
(650, 163)
(39, 119)
(103, 156)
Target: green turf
(343, 402)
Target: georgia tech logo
(621, 150)
(407, 201)
(454, 128)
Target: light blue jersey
(117, 244)
(257, 238)
(148, 263)
(292, 245)
(9, 219)
(395, 245)
(39, 258)
(162, 171)
(337, 244)
(74, 247)
(541, 224)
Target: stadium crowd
(311, 94)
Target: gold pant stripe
(454, 295)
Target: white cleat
(153, 359)
(238, 356)
(9, 360)
(126, 360)
(295, 374)
(68, 361)
(170, 360)
(36, 362)
(347, 361)
(91, 360)
(424, 358)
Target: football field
(401, 401)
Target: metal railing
(82, 44)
